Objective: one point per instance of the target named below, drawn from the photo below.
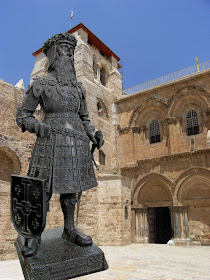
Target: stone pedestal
(58, 259)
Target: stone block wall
(114, 213)
(15, 151)
(7, 232)
(199, 224)
(88, 213)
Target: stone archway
(10, 164)
(151, 213)
(193, 193)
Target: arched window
(192, 123)
(102, 110)
(103, 76)
(154, 131)
(99, 107)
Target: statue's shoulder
(42, 84)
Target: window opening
(99, 107)
(192, 123)
(103, 76)
(154, 131)
(94, 67)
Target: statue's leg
(68, 202)
(70, 233)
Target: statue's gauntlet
(89, 129)
(26, 121)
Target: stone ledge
(172, 157)
(104, 177)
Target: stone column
(142, 232)
(179, 224)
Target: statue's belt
(67, 115)
(69, 132)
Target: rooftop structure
(169, 78)
(92, 40)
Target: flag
(72, 16)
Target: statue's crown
(58, 39)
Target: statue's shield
(28, 205)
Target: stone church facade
(154, 177)
(168, 160)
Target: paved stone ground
(140, 262)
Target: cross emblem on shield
(28, 205)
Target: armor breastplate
(61, 102)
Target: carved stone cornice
(123, 130)
(171, 120)
(179, 208)
(170, 157)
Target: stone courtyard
(140, 262)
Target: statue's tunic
(63, 158)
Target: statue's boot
(32, 245)
(70, 233)
(31, 248)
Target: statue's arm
(25, 118)
(84, 115)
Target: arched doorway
(160, 231)
(194, 193)
(10, 164)
(152, 211)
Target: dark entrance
(159, 225)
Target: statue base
(58, 259)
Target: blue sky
(152, 37)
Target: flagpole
(71, 17)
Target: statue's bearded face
(63, 65)
(65, 49)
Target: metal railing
(168, 78)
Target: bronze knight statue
(61, 155)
